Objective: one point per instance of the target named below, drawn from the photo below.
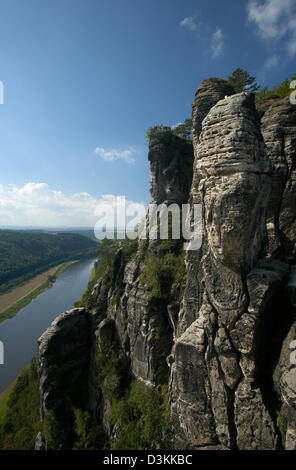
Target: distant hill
(86, 231)
(25, 253)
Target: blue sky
(84, 79)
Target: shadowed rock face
(171, 167)
(207, 95)
(279, 132)
(225, 347)
(234, 186)
(243, 321)
(67, 375)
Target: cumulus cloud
(189, 23)
(217, 42)
(275, 19)
(37, 204)
(127, 154)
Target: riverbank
(12, 302)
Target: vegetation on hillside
(103, 268)
(182, 130)
(25, 254)
(164, 272)
(143, 417)
(241, 80)
(20, 421)
(282, 90)
(141, 413)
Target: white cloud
(217, 42)
(275, 19)
(271, 62)
(36, 204)
(189, 23)
(127, 154)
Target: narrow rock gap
(272, 329)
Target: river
(20, 333)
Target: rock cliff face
(223, 341)
(220, 386)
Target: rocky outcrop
(223, 343)
(234, 180)
(207, 95)
(227, 399)
(279, 132)
(138, 327)
(67, 371)
(171, 166)
(284, 376)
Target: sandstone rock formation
(235, 185)
(222, 343)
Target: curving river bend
(19, 334)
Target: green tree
(53, 432)
(184, 130)
(90, 435)
(20, 421)
(282, 90)
(241, 80)
(148, 134)
(143, 416)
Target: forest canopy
(25, 254)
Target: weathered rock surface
(225, 348)
(171, 167)
(234, 179)
(284, 376)
(207, 95)
(279, 132)
(67, 373)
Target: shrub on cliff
(181, 130)
(102, 270)
(53, 432)
(129, 248)
(90, 435)
(108, 361)
(163, 277)
(184, 130)
(143, 417)
(282, 90)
